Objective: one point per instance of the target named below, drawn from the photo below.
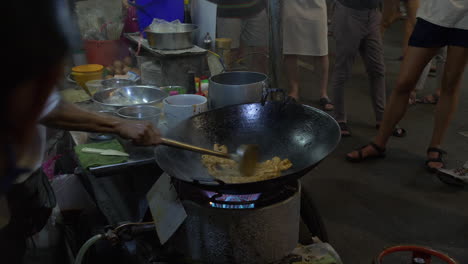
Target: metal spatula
(246, 155)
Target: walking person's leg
(323, 64)
(440, 58)
(411, 68)
(290, 64)
(348, 34)
(410, 71)
(411, 9)
(371, 50)
(457, 58)
(420, 84)
(254, 41)
(390, 13)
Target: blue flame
(234, 198)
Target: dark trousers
(358, 32)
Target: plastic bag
(163, 26)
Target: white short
(251, 31)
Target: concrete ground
(373, 205)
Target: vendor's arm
(68, 116)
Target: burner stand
(265, 234)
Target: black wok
(303, 134)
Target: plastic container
(180, 107)
(103, 52)
(168, 10)
(141, 112)
(205, 84)
(85, 73)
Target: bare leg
(259, 59)
(411, 7)
(322, 63)
(235, 55)
(420, 84)
(411, 68)
(410, 72)
(440, 59)
(324, 66)
(457, 57)
(290, 63)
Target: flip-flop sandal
(380, 153)
(426, 100)
(438, 159)
(324, 102)
(450, 180)
(345, 132)
(397, 131)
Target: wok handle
(184, 146)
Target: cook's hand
(140, 132)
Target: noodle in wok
(228, 170)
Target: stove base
(262, 235)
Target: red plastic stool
(421, 255)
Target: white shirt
(33, 157)
(445, 13)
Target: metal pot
(182, 39)
(233, 88)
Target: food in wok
(227, 170)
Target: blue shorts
(428, 35)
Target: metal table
(119, 190)
(139, 156)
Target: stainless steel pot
(182, 39)
(232, 88)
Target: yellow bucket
(88, 72)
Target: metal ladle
(245, 155)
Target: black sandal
(380, 153)
(397, 131)
(438, 159)
(344, 128)
(324, 101)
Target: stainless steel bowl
(115, 98)
(114, 83)
(183, 39)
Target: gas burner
(217, 199)
(232, 201)
(257, 227)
